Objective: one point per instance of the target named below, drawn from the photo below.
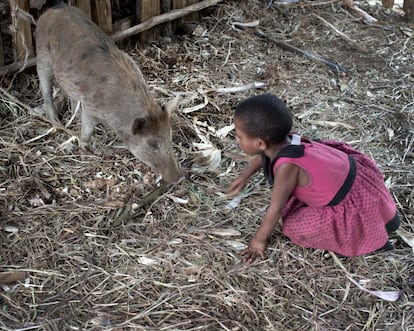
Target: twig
(163, 18)
(75, 112)
(304, 4)
(235, 89)
(337, 68)
(15, 100)
(353, 43)
(359, 12)
(15, 66)
(51, 130)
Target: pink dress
(345, 206)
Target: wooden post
(84, 5)
(22, 34)
(145, 10)
(177, 4)
(408, 8)
(102, 14)
(166, 28)
(163, 18)
(1, 51)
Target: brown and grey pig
(93, 70)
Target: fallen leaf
(100, 183)
(224, 131)
(407, 237)
(12, 277)
(196, 107)
(199, 31)
(208, 156)
(235, 202)
(224, 232)
(235, 89)
(236, 245)
(247, 24)
(147, 261)
(385, 295)
(180, 201)
(11, 229)
(175, 241)
(36, 202)
(110, 203)
(332, 124)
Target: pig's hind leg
(45, 73)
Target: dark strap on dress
(296, 151)
(346, 186)
(291, 151)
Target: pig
(90, 68)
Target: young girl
(329, 195)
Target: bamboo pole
(163, 18)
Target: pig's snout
(162, 161)
(171, 173)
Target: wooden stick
(358, 11)
(337, 68)
(305, 4)
(148, 24)
(163, 18)
(353, 43)
(17, 66)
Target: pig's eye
(153, 144)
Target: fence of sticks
(150, 19)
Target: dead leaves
(100, 184)
(12, 277)
(407, 237)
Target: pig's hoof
(84, 152)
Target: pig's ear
(171, 105)
(139, 125)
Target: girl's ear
(262, 144)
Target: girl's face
(248, 144)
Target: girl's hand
(256, 249)
(238, 184)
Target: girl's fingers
(249, 255)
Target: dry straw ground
(101, 247)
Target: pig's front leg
(88, 125)
(45, 72)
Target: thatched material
(98, 246)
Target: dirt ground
(95, 243)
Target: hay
(96, 244)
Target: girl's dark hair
(265, 116)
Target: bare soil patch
(99, 246)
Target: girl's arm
(237, 185)
(286, 179)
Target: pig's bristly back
(88, 64)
